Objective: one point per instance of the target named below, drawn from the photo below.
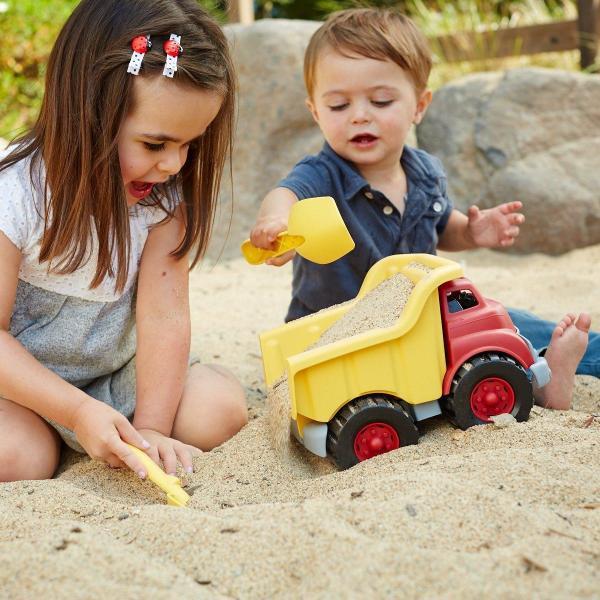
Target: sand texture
(505, 510)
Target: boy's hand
(264, 235)
(495, 227)
(103, 431)
(169, 451)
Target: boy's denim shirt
(377, 227)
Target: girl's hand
(493, 227)
(102, 431)
(169, 451)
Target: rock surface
(527, 134)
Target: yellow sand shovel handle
(284, 243)
(170, 484)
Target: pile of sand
(378, 309)
(511, 512)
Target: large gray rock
(274, 127)
(527, 134)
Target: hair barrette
(173, 50)
(140, 45)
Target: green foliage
(29, 28)
(439, 17)
(493, 9)
(315, 10)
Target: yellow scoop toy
(170, 484)
(315, 230)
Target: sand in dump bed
(510, 513)
(379, 308)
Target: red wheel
(367, 427)
(488, 384)
(374, 439)
(492, 396)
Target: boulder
(527, 134)
(274, 127)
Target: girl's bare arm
(163, 329)
(25, 381)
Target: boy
(366, 74)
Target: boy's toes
(584, 322)
(558, 331)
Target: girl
(101, 204)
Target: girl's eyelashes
(338, 107)
(158, 147)
(154, 147)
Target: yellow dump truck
(450, 350)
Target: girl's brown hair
(88, 95)
(382, 34)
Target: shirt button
(437, 206)
(369, 195)
(387, 210)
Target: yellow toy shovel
(315, 230)
(170, 484)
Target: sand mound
(491, 512)
(495, 510)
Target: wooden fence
(575, 34)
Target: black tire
(479, 369)
(357, 414)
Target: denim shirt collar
(417, 172)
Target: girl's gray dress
(87, 336)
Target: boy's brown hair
(88, 95)
(381, 34)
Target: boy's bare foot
(567, 347)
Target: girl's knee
(20, 463)
(229, 405)
(29, 447)
(213, 408)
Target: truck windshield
(460, 300)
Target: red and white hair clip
(140, 45)
(173, 50)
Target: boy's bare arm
(495, 227)
(272, 219)
(455, 235)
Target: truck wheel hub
(492, 396)
(374, 439)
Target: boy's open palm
(102, 431)
(495, 227)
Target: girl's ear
(422, 104)
(313, 111)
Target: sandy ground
(492, 512)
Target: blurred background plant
(29, 28)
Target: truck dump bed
(323, 379)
